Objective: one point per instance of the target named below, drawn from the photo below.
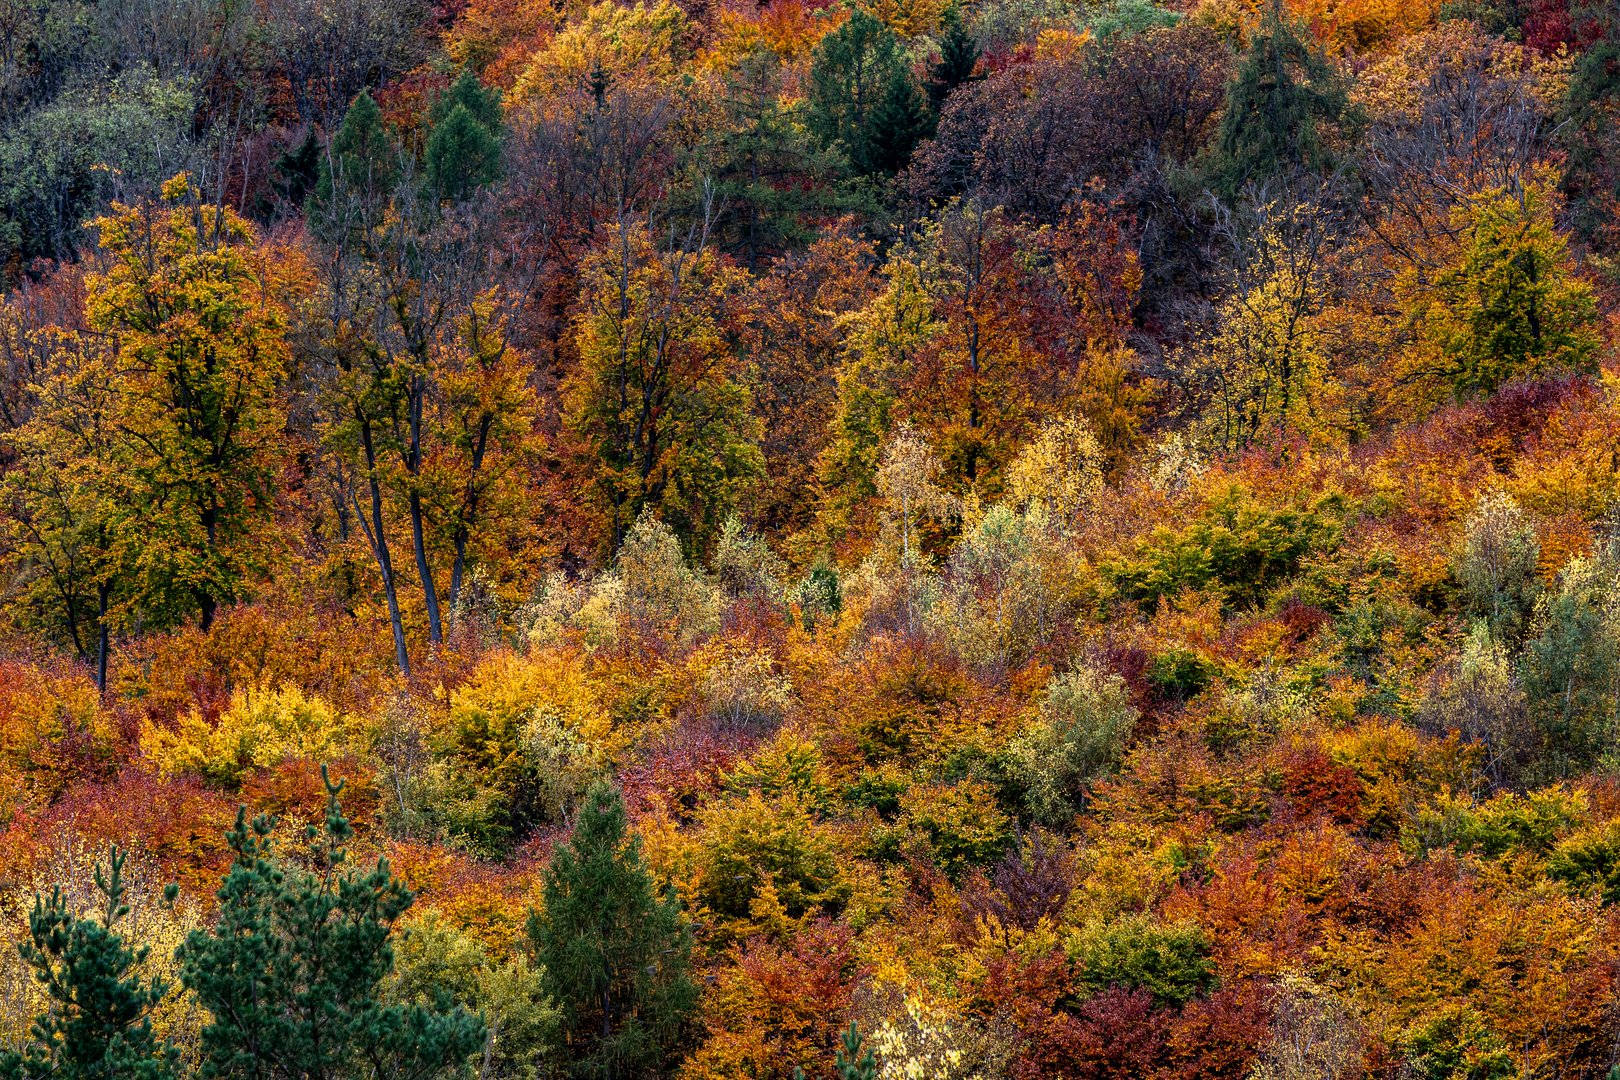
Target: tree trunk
(430, 594)
(390, 590)
(469, 516)
(413, 464)
(379, 548)
(103, 640)
(457, 567)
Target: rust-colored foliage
(1131, 591)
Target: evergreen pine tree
(900, 121)
(483, 103)
(296, 172)
(1278, 108)
(464, 142)
(958, 56)
(291, 969)
(615, 954)
(862, 98)
(771, 182)
(853, 1061)
(360, 167)
(98, 1025)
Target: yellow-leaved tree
(1504, 302)
(657, 403)
(196, 308)
(1265, 363)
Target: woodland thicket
(756, 539)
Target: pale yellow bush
(262, 727)
(741, 688)
(1060, 471)
(152, 924)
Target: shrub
(521, 741)
(1238, 544)
(1455, 1044)
(1485, 705)
(960, 824)
(1589, 861)
(739, 689)
(260, 728)
(1135, 952)
(1496, 568)
(752, 845)
(1500, 826)
(1572, 667)
(1078, 737)
(433, 958)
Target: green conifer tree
(615, 954)
(958, 57)
(854, 1061)
(1590, 125)
(464, 140)
(290, 971)
(359, 170)
(900, 121)
(862, 98)
(296, 172)
(98, 1025)
(482, 102)
(761, 168)
(1279, 108)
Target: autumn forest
(810, 539)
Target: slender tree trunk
(103, 639)
(379, 548)
(430, 593)
(469, 503)
(457, 567)
(390, 590)
(206, 601)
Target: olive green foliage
(1588, 862)
(1510, 307)
(1171, 962)
(1458, 1045)
(757, 843)
(1571, 668)
(434, 960)
(1238, 545)
(1496, 568)
(1077, 737)
(615, 953)
(1504, 825)
(291, 971)
(59, 163)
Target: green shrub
(1238, 545)
(1589, 861)
(1136, 952)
